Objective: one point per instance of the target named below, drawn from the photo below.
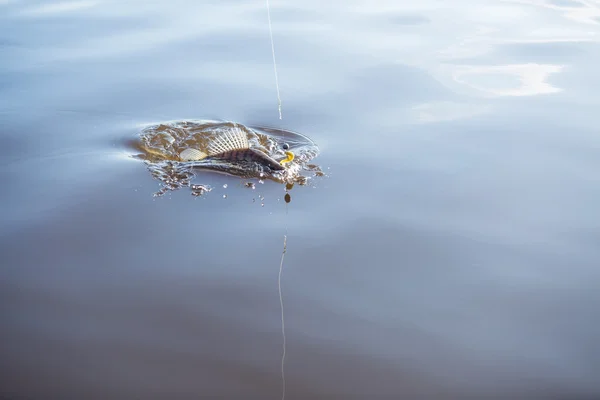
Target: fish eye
(286, 146)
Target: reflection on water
(527, 79)
(451, 253)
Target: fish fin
(191, 154)
(229, 140)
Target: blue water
(451, 252)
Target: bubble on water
(225, 186)
(224, 196)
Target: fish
(232, 145)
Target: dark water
(452, 252)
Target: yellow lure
(289, 158)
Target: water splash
(160, 145)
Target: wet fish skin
(250, 155)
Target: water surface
(450, 253)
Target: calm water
(452, 252)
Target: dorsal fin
(229, 140)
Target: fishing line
(274, 62)
(286, 212)
(282, 318)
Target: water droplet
(225, 186)
(262, 204)
(224, 196)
